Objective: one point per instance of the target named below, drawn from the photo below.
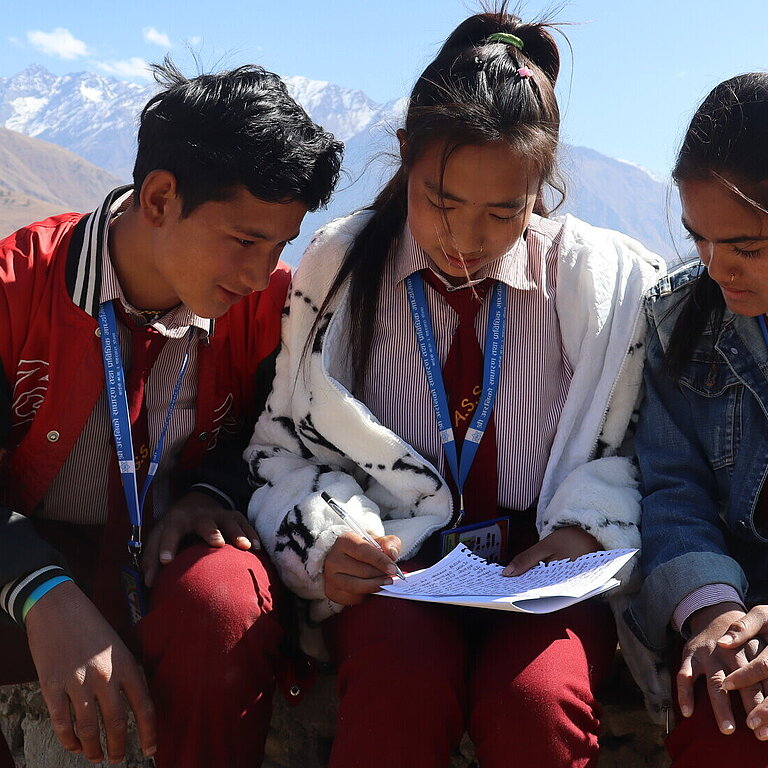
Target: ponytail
(476, 91)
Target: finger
(150, 563)
(115, 720)
(236, 533)
(528, 559)
(249, 531)
(87, 726)
(747, 627)
(721, 702)
(348, 591)
(685, 682)
(208, 530)
(757, 720)
(349, 566)
(361, 550)
(751, 674)
(391, 545)
(61, 719)
(135, 689)
(171, 533)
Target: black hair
(725, 143)
(216, 132)
(470, 94)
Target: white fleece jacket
(315, 436)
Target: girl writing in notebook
(396, 394)
(703, 440)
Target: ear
(403, 140)
(158, 199)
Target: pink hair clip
(524, 72)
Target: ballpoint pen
(352, 523)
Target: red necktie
(463, 379)
(146, 344)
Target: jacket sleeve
(23, 554)
(593, 483)
(684, 544)
(291, 462)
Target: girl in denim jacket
(703, 440)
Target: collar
(512, 269)
(91, 278)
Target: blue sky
(636, 72)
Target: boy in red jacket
(135, 346)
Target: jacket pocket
(717, 395)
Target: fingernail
(508, 571)
(727, 726)
(255, 544)
(753, 722)
(762, 733)
(686, 710)
(391, 570)
(726, 640)
(242, 541)
(166, 556)
(394, 553)
(150, 751)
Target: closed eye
(438, 206)
(505, 218)
(746, 253)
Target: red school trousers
(210, 645)
(413, 677)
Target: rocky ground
(300, 736)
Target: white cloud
(58, 42)
(152, 35)
(128, 69)
(195, 40)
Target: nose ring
(733, 275)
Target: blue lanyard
(121, 422)
(763, 328)
(494, 346)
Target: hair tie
(524, 73)
(506, 38)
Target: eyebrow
(444, 193)
(727, 240)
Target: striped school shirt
(535, 372)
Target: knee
(215, 586)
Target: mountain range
(95, 117)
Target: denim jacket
(702, 444)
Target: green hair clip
(506, 38)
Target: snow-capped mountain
(95, 116)
(91, 115)
(342, 111)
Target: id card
(489, 539)
(133, 588)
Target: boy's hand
(81, 662)
(199, 514)
(562, 544)
(354, 569)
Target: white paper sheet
(462, 578)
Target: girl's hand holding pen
(354, 569)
